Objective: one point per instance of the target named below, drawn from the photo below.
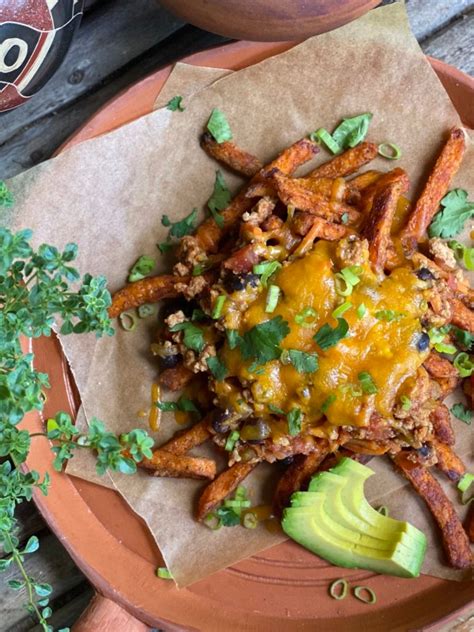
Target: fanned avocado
(334, 520)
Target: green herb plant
(41, 290)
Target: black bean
(221, 420)
(236, 283)
(425, 274)
(423, 342)
(287, 461)
(170, 361)
(424, 451)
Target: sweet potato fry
(347, 162)
(377, 225)
(462, 316)
(436, 187)
(292, 192)
(209, 233)
(448, 461)
(320, 229)
(373, 448)
(365, 179)
(455, 539)
(189, 439)
(395, 176)
(223, 485)
(149, 290)
(260, 189)
(176, 377)
(441, 420)
(437, 366)
(447, 385)
(469, 525)
(165, 463)
(295, 476)
(230, 155)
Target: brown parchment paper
(109, 194)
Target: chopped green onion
(272, 298)
(346, 279)
(240, 493)
(265, 270)
(217, 311)
(372, 597)
(231, 440)
(342, 309)
(367, 383)
(322, 135)
(338, 589)
(128, 322)
(212, 521)
(383, 509)
(463, 253)
(390, 151)
(406, 402)
(361, 311)
(465, 482)
(307, 317)
(330, 399)
(437, 336)
(163, 573)
(389, 315)
(464, 364)
(199, 269)
(444, 348)
(237, 504)
(276, 410)
(250, 520)
(350, 388)
(146, 310)
(345, 218)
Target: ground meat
(195, 287)
(181, 270)
(175, 319)
(352, 251)
(260, 212)
(440, 302)
(198, 363)
(190, 252)
(442, 254)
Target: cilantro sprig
(219, 199)
(450, 220)
(262, 342)
(175, 104)
(327, 336)
(461, 412)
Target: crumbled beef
(260, 211)
(442, 254)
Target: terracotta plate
(282, 588)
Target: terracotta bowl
(268, 20)
(283, 588)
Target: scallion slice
(212, 521)
(217, 311)
(338, 589)
(383, 509)
(250, 520)
(342, 309)
(231, 440)
(371, 597)
(361, 311)
(390, 151)
(307, 317)
(163, 573)
(128, 322)
(464, 364)
(273, 295)
(465, 482)
(323, 136)
(146, 310)
(367, 383)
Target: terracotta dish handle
(107, 616)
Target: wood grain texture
(455, 44)
(428, 16)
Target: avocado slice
(334, 520)
(353, 500)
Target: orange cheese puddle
(385, 349)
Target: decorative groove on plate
(290, 564)
(289, 581)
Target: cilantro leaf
(233, 338)
(219, 126)
(165, 247)
(174, 104)
(465, 338)
(261, 342)
(219, 199)
(303, 362)
(326, 337)
(141, 268)
(294, 421)
(274, 409)
(462, 413)
(183, 227)
(450, 221)
(228, 517)
(193, 336)
(217, 368)
(352, 131)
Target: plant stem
(28, 583)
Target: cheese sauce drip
(384, 348)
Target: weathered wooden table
(119, 42)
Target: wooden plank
(50, 564)
(29, 522)
(37, 142)
(454, 45)
(67, 609)
(108, 39)
(426, 17)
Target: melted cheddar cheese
(384, 348)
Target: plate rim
(100, 575)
